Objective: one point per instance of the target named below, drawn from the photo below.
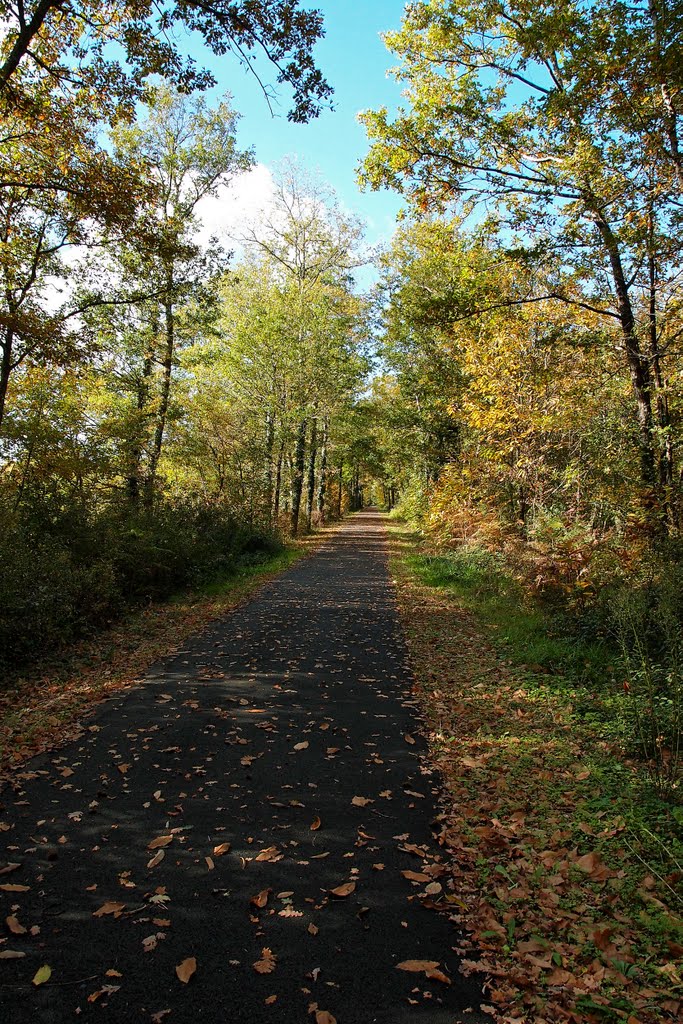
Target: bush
(67, 572)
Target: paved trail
(259, 733)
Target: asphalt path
(201, 826)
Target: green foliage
(68, 570)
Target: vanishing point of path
(209, 815)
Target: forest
(175, 405)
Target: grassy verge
(567, 865)
(43, 708)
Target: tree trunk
(298, 475)
(310, 488)
(278, 484)
(270, 439)
(639, 367)
(5, 370)
(135, 458)
(666, 454)
(339, 494)
(322, 484)
(165, 394)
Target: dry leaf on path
(222, 848)
(14, 926)
(416, 876)
(11, 954)
(261, 898)
(361, 801)
(109, 908)
(417, 966)
(315, 824)
(186, 969)
(301, 746)
(266, 965)
(160, 841)
(324, 1017)
(156, 859)
(344, 890)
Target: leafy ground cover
(567, 863)
(43, 707)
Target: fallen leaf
(269, 1000)
(8, 887)
(301, 746)
(186, 969)
(361, 801)
(218, 851)
(313, 929)
(315, 824)
(439, 976)
(417, 966)
(416, 876)
(408, 738)
(261, 898)
(42, 975)
(270, 853)
(160, 841)
(266, 965)
(109, 908)
(156, 859)
(14, 926)
(344, 890)
(11, 954)
(324, 1017)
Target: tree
(188, 150)
(313, 247)
(76, 48)
(507, 109)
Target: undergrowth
(566, 839)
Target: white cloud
(237, 206)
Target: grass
(42, 707)
(566, 861)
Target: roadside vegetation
(565, 841)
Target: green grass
(525, 634)
(248, 568)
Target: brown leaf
(417, 966)
(261, 898)
(416, 876)
(266, 965)
(439, 976)
(270, 853)
(361, 801)
(186, 969)
(156, 859)
(160, 841)
(324, 1017)
(11, 954)
(218, 851)
(9, 887)
(109, 908)
(301, 746)
(344, 890)
(315, 824)
(14, 926)
(313, 929)
(408, 738)
(269, 1000)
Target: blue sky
(355, 61)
